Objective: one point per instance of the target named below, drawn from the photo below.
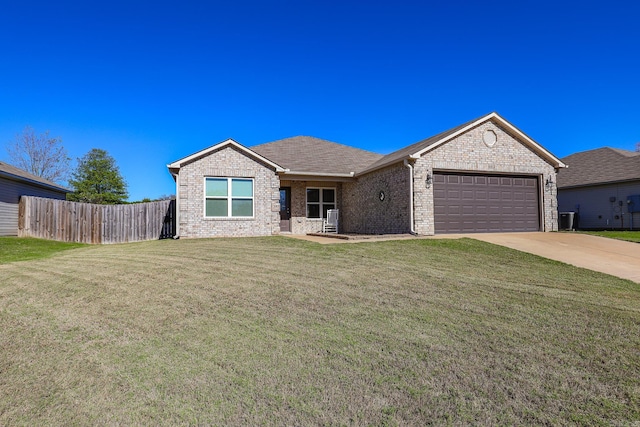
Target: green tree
(97, 179)
(40, 155)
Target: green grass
(631, 236)
(20, 249)
(276, 331)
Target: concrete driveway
(615, 257)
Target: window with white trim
(228, 197)
(319, 200)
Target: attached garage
(484, 176)
(478, 203)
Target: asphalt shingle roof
(405, 152)
(14, 172)
(599, 166)
(309, 154)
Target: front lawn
(19, 249)
(276, 331)
(631, 236)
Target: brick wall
(468, 152)
(364, 212)
(227, 162)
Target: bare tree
(40, 155)
(165, 197)
(638, 147)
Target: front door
(285, 209)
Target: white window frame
(320, 202)
(229, 197)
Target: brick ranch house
(482, 176)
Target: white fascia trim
(178, 164)
(537, 147)
(340, 175)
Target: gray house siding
(8, 219)
(10, 192)
(595, 208)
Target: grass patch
(276, 331)
(20, 249)
(630, 236)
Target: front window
(319, 200)
(228, 197)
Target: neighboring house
(603, 187)
(482, 176)
(14, 183)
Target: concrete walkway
(610, 256)
(324, 240)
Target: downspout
(177, 219)
(411, 208)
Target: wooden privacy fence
(88, 223)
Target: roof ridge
(620, 151)
(626, 153)
(317, 138)
(312, 154)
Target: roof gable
(416, 150)
(17, 174)
(309, 155)
(599, 166)
(175, 166)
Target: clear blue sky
(152, 82)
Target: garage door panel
(467, 203)
(506, 195)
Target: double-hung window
(319, 200)
(228, 197)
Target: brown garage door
(485, 203)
